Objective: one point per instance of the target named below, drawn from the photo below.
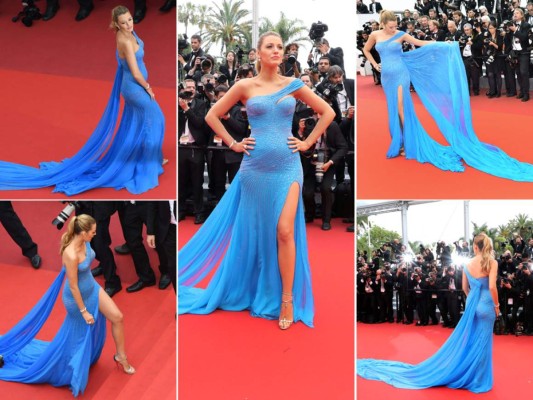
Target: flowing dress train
(241, 233)
(463, 361)
(65, 360)
(438, 76)
(129, 158)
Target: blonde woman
(437, 72)
(65, 361)
(465, 360)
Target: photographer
(361, 7)
(459, 20)
(450, 283)
(506, 264)
(291, 66)
(494, 59)
(403, 284)
(423, 6)
(193, 137)
(229, 68)
(520, 41)
(202, 66)
(471, 45)
(420, 299)
(329, 150)
(225, 161)
(435, 33)
(405, 20)
(335, 54)
(528, 301)
(517, 244)
(385, 294)
(508, 293)
(188, 61)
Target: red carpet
(231, 355)
(496, 121)
(511, 362)
(149, 316)
(57, 77)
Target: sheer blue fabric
(241, 232)
(76, 346)
(128, 157)
(464, 360)
(438, 75)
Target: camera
(239, 53)
(186, 95)
(291, 59)
(28, 14)
(65, 213)
(329, 90)
(319, 158)
(221, 79)
(182, 43)
(316, 32)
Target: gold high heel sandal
(130, 370)
(285, 323)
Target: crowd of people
(495, 39)
(393, 285)
(203, 81)
(87, 6)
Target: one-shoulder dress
(65, 360)
(437, 73)
(463, 362)
(241, 231)
(129, 157)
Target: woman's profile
(65, 361)
(257, 231)
(129, 157)
(464, 361)
(437, 73)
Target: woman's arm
(417, 42)
(466, 286)
(233, 96)
(493, 274)
(71, 266)
(310, 98)
(125, 47)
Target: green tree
(187, 14)
(290, 30)
(378, 236)
(225, 25)
(520, 224)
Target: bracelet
(83, 310)
(496, 305)
(232, 143)
(147, 87)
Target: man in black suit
(102, 211)
(189, 60)
(193, 134)
(335, 54)
(374, 7)
(361, 7)
(520, 40)
(226, 161)
(459, 20)
(161, 232)
(19, 234)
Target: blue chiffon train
(241, 232)
(437, 73)
(129, 158)
(65, 360)
(464, 360)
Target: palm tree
(187, 14)
(290, 30)
(225, 24)
(520, 224)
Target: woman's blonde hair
(260, 43)
(484, 244)
(387, 16)
(115, 13)
(78, 224)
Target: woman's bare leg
(400, 115)
(110, 310)
(287, 249)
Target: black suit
(226, 161)
(336, 148)
(521, 34)
(190, 59)
(102, 211)
(158, 224)
(375, 8)
(231, 76)
(191, 158)
(336, 56)
(15, 229)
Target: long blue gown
(64, 361)
(464, 360)
(438, 75)
(241, 231)
(129, 158)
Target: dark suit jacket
(336, 56)
(237, 128)
(158, 220)
(196, 117)
(225, 70)
(335, 142)
(190, 58)
(522, 35)
(375, 8)
(349, 87)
